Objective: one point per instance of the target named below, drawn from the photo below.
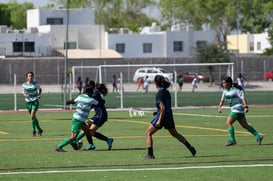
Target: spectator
(114, 83)
(79, 84)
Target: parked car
(189, 76)
(268, 76)
(151, 72)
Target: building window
(54, 21)
(251, 46)
(259, 46)
(71, 45)
(29, 46)
(200, 44)
(147, 48)
(23, 46)
(17, 46)
(120, 47)
(178, 46)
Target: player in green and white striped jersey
(84, 102)
(234, 95)
(32, 93)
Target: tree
(223, 16)
(212, 53)
(117, 13)
(4, 15)
(14, 14)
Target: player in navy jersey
(234, 95)
(100, 117)
(32, 93)
(163, 117)
(84, 103)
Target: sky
(36, 3)
(40, 3)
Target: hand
(154, 113)
(246, 109)
(220, 110)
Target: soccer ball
(79, 144)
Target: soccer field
(24, 157)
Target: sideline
(137, 169)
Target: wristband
(246, 107)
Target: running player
(32, 93)
(234, 95)
(163, 117)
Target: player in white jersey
(32, 93)
(234, 95)
(83, 107)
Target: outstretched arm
(70, 102)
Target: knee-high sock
(231, 134)
(253, 131)
(33, 125)
(64, 143)
(100, 136)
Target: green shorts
(77, 126)
(32, 105)
(237, 116)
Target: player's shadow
(122, 149)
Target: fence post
(121, 90)
(15, 95)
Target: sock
(100, 136)
(231, 134)
(33, 125)
(187, 144)
(64, 143)
(36, 122)
(89, 139)
(150, 151)
(253, 131)
(80, 136)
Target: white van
(151, 72)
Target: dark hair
(88, 90)
(100, 87)
(229, 81)
(161, 81)
(30, 73)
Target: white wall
(38, 17)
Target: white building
(46, 36)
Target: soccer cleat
(40, 132)
(230, 143)
(59, 149)
(90, 147)
(259, 140)
(110, 142)
(192, 150)
(148, 157)
(74, 146)
(33, 133)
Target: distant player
(234, 95)
(32, 93)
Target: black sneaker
(259, 140)
(230, 143)
(148, 157)
(40, 132)
(192, 150)
(59, 149)
(33, 133)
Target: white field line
(137, 169)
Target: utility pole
(66, 53)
